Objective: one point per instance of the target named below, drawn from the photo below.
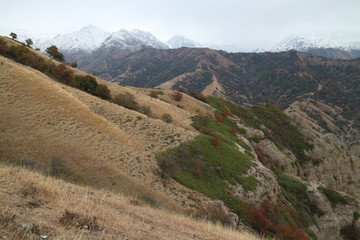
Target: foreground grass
(61, 210)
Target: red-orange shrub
(289, 233)
(215, 141)
(233, 130)
(226, 112)
(258, 219)
(2, 46)
(219, 118)
(63, 73)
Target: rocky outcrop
(286, 159)
(332, 220)
(335, 166)
(268, 187)
(251, 132)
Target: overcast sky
(248, 24)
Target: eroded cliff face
(331, 177)
(320, 117)
(334, 168)
(335, 164)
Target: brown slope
(30, 198)
(101, 143)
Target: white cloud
(246, 23)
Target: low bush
(73, 65)
(65, 75)
(102, 91)
(153, 94)
(58, 168)
(166, 117)
(198, 96)
(177, 96)
(285, 232)
(126, 100)
(145, 110)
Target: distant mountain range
(89, 38)
(339, 45)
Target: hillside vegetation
(247, 78)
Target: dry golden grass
(188, 104)
(43, 201)
(102, 144)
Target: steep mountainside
(246, 78)
(250, 168)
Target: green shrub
(249, 183)
(86, 83)
(296, 193)
(58, 168)
(356, 216)
(149, 201)
(334, 197)
(159, 92)
(73, 65)
(53, 51)
(103, 92)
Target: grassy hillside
(33, 205)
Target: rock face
(334, 219)
(285, 159)
(336, 167)
(268, 189)
(356, 228)
(332, 167)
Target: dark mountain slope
(246, 78)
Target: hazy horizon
(247, 24)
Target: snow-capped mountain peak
(179, 41)
(87, 39)
(134, 40)
(306, 41)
